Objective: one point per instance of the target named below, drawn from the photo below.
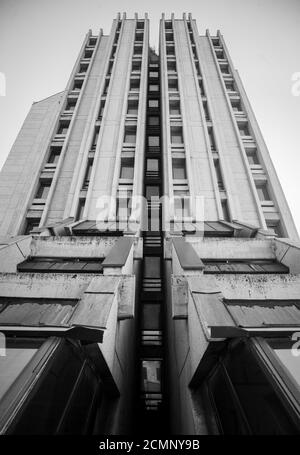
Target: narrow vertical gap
(152, 417)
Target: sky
(40, 40)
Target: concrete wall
(21, 170)
(82, 127)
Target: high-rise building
(149, 272)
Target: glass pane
(152, 267)
(43, 191)
(127, 170)
(152, 165)
(153, 121)
(54, 157)
(263, 409)
(153, 103)
(18, 355)
(152, 191)
(290, 361)
(151, 375)
(179, 169)
(151, 316)
(153, 141)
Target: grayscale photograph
(149, 222)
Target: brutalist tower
(149, 272)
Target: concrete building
(149, 273)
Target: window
(95, 138)
(274, 227)
(110, 67)
(252, 157)
(151, 316)
(253, 266)
(262, 192)
(83, 68)
(173, 85)
(153, 87)
(282, 349)
(54, 155)
(134, 85)
(140, 25)
(169, 36)
(205, 107)
(124, 206)
(92, 41)
(153, 120)
(152, 191)
(224, 69)
(176, 135)
(202, 92)
(236, 106)
(225, 210)
(136, 65)
(168, 25)
(181, 207)
(152, 267)
(80, 209)
(43, 190)
(230, 86)
(113, 53)
(106, 85)
(153, 141)
(130, 135)
(174, 107)
(127, 168)
(30, 225)
(77, 85)
(178, 166)
(171, 66)
(220, 54)
(63, 128)
(152, 165)
(171, 50)
(101, 110)
(153, 74)
(212, 139)
(60, 265)
(132, 108)
(88, 173)
(216, 42)
(17, 356)
(244, 397)
(153, 104)
(71, 105)
(198, 68)
(139, 36)
(219, 175)
(137, 50)
(244, 129)
(151, 385)
(88, 53)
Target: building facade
(149, 273)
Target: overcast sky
(40, 40)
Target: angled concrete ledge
(187, 256)
(118, 255)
